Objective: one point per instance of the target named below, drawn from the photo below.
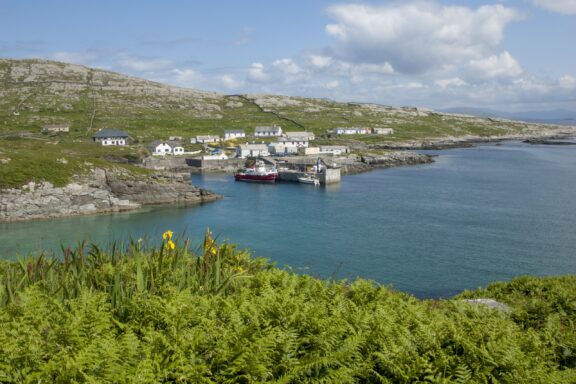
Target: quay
(289, 168)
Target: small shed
(382, 131)
(56, 128)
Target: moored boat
(260, 173)
(309, 180)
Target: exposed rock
(490, 303)
(103, 191)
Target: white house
(308, 151)
(300, 135)
(159, 147)
(350, 131)
(294, 141)
(252, 150)
(273, 131)
(282, 149)
(203, 139)
(233, 134)
(383, 131)
(111, 136)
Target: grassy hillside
(41, 92)
(168, 315)
(38, 92)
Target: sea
(476, 215)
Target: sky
(515, 55)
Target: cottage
(111, 136)
(334, 149)
(350, 131)
(383, 131)
(252, 150)
(273, 131)
(300, 135)
(169, 147)
(233, 134)
(280, 149)
(55, 128)
(203, 139)
(295, 141)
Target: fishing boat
(259, 173)
(309, 180)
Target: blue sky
(511, 55)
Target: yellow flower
(167, 235)
(170, 245)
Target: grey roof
(233, 131)
(274, 128)
(171, 143)
(110, 132)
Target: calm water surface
(476, 215)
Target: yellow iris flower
(170, 245)
(167, 235)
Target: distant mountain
(556, 116)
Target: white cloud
(142, 64)
(229, 82)
(496, 66)
(452, 82)
(567, 82)
(257, 74)
(186, 77)
(567, 7)
(417, 37)
(287, 66)
(320, 61)
(332, 84)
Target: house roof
(171, 143)
(299, 134)
(110, 132)
(207, 137)
(293, 138)
(274, 128)
(47, 126)
(258, 147)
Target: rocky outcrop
(160, 189)
(103, 191)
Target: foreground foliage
(170, 315)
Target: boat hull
(271, 178)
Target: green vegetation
(56, 160)
(165, 314)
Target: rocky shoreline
(102, 191)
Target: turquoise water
(476, 215)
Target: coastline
(105, 191)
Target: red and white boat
(260, 173)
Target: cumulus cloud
(566, 7)
(496, 66)
(287, 66)
(319, 61)
(452, 82)
(229, 82)
(567, 82)
(186, 77)
(257, 73)
(418, 37)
